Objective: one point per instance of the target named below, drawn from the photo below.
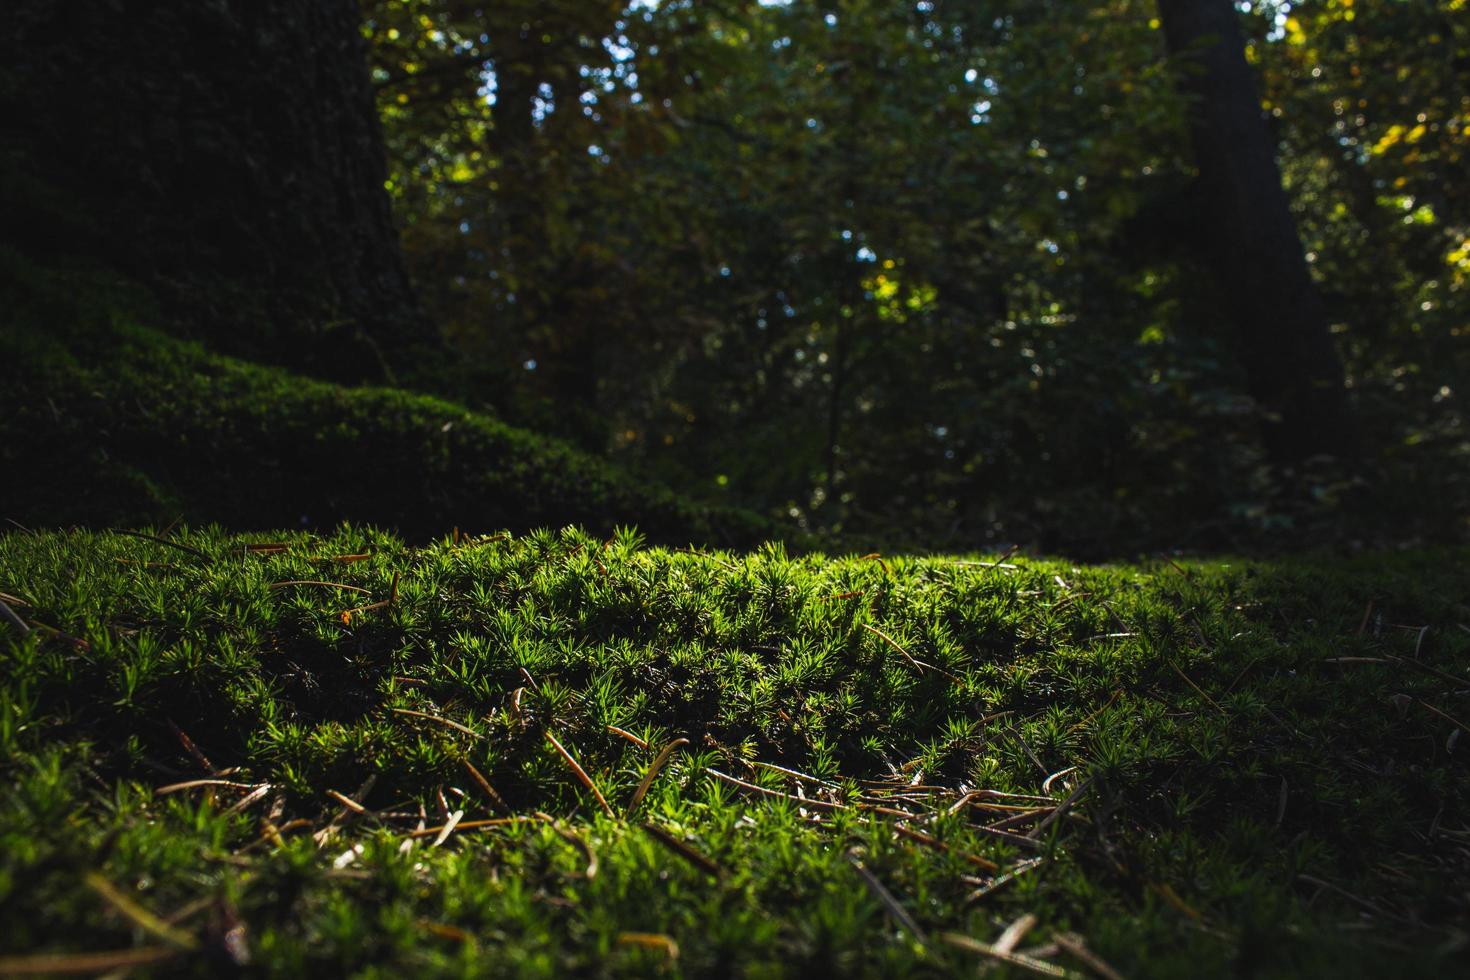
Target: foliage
(1262, 778)
(1370, 102)
(919, 272)
(924, 270)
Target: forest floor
(554, 753)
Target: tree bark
(227, 153)
(1284, 345)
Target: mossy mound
(556, 754)
(109, 423)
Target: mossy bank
(567, 753)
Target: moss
(1257, 780)
(107, 422)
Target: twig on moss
(53, 964)
(886, 897)
(13, 619)
(653, 770)
(484, 785)
(164, 541)
(895, 645)
(313, 581)
(580, 773)
(623, 733)
(435, 718)
(685, 851)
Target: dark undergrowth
(105, 421)
(570, 753)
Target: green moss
(1265, 783)
(106, 422)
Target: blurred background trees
(946, 270)
(1101, 275)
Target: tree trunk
(1251, 238)
(228, 154)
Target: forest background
(924, 274)
(942, 271)
(636, 428)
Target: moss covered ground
(558, 752)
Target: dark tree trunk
(1252, 242)
(226, 152)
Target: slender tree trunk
(841, 340)
(1281, 324)
(228, 154)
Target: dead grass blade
(1451, 678)
(1014, 933)
(1062, 808)
(993, 794)
(652, 773)
(10, 617)
(347, 801)
(464, 825)
(1004, 879)
(777, 794)
(1018, 839)
(650, 940)
(891, 904)
(1039, 967)
(998, 563)
(684, 850)
(53, 964)
(435, 718)
(796, 774)
(1166, 891)
(448, 828)
(1449, 718)
(936, 844)
(707, 557)
(445, 931)
(194, 783)
(1177, 567)
(1020, 819)
(1355, 899)
(135, 913)
(75, 641)
(587, 852)
(623, 733)
(1093, 714)
(191, 748)
(1073, 943)
(1197, 689)
(347, 857)
(1047, 784)
(250, 798)
(345, 616)
(895, 645)
(581, 774)
(313, 581)
(323, 836)
(484, 785)
(164, 541)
